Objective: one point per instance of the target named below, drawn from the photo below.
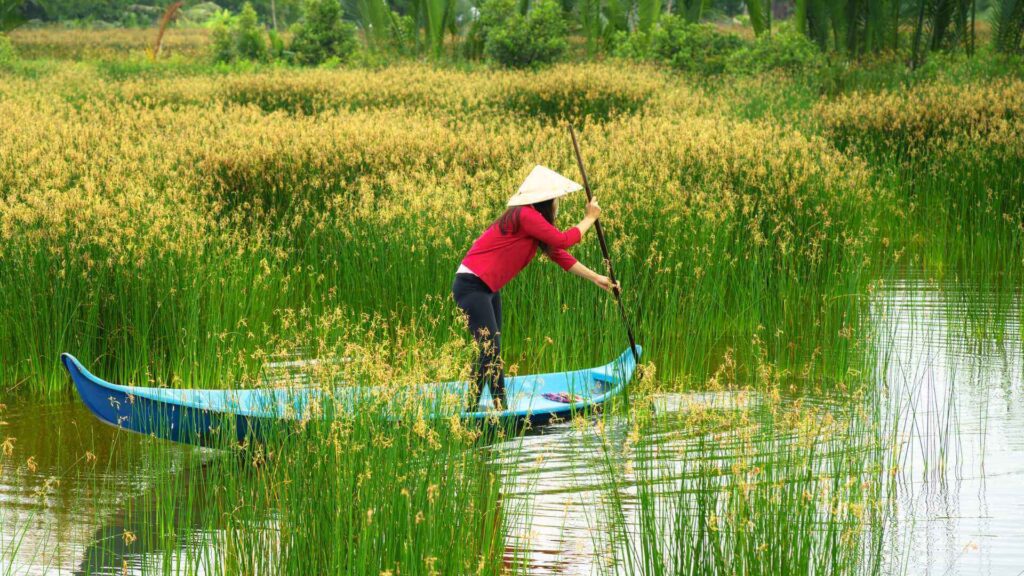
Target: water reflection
(572, 476)
(953, 359)
(87, 507)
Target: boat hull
(212, 417)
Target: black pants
(484, 310)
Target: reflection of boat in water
(161, 527)
(194, 416)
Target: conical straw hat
(542, 184)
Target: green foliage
(277, 47)
(590, 19)
(692, 10)
(10, 14)
(789, 51)
(813, 18)
(635, 46)
(7, 54)
(249, 38)
(1008, 26)
(383, 27)
(760, 12)
(283, 11)
(239, 37)
(322, 34)
(439, 15)
(730, 8)
(521, 41)
(647, 14)
(64, 10)
(693, 47)
(222, 46)
(604, 21)
(493, 14)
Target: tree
(520, 41)
(1008, 26)
(322, 34)
(239, 37)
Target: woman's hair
(508, 222)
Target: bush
(7, 54)
(222, 46)
(492, 14)
(693, 47)
(322, 35)
(635, 46)
(518, 41)
(239, 37)
(249, 39)
(789, 51)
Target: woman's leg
(477, 303)
(498, 381)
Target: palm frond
(1008, 26)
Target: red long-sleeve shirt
(496, 258)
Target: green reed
(771, 485)
(356, 495)
(291, 233)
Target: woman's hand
(590, 216)
(606, 284)
(603, 282)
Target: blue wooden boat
(204, 416)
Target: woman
(504, 249)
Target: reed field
(175, 224)
(113, 44)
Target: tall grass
(750, 480)
(173, 252)
(354, 497)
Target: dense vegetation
(534, 33)
(742, 203)
(181, 222)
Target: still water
(950, 360)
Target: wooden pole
(604, 247)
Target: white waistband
(464, 270)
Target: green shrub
(322, 34)
(249, 35)
(276, 46)
(7, 54)
(518, 41)
(789, 51)
(493, 14)
(635, 46)
(222, 45)
(693, 47)
(238, 37)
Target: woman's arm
(590, 215)
(603, 282)
(537, 227)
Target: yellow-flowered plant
(225, 200)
